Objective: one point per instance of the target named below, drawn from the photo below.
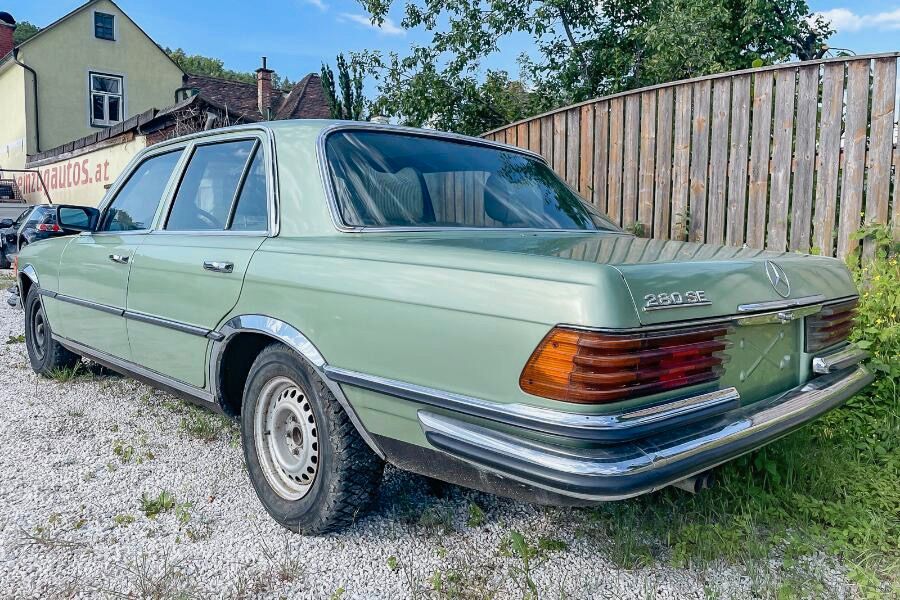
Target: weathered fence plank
(534, 136)
(699, 160)
(616, 132)
(760, 138)
(547, 138)
(573, 146)
(630, 168)
(586, 156)
(884, 93)
(559, 143)
(854, 155)
(663, 180)
(782, 134)
(601, 154)
(681, 162)
(737, 160)
(646, 163)
(828, 161)
(804, 157)
(511, 136)
(522, 135)
(718, 162)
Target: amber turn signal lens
(590, 367)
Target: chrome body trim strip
(840, 359)
(782, 316)
(135, 369)
(615, 427)
(137, 316)
(631, 469)
(781, 304)
(294, 339)
(105, 308)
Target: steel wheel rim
(287, 440)
(38, 331)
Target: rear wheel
(45, 354)
(309, 466)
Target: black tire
(345, 473)
(5, 263)
(45, 354)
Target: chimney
(7, 28)
(264, 90)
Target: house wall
(13, 130)
(65, 54)
(81, 178)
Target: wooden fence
(786, 157)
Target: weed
(476, 515)
(123, 451)
(16, 339)
(152, 507)
(338, 594)
(156, 579)
(123, 520)
(284, 563)
(204, 425)
(392, 563)
(437, 519)
(67, 374)
(51, 534)
(530, 556)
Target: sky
(298, 35)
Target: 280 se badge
(675, 300)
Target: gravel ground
(76, 457)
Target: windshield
(385, 179)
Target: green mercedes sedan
(359, 294)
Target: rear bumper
(642, 465)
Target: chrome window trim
(126, 365)
(331, 197)
(294, 339)
(159, 226)
(614, 427)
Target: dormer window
(104, 26)
(106, 99)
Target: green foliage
(584, 48)
(153, 506)
(16, 339)
(197, 64)
(123, 520)
(24, 30)
(476, 515)
(392, 563)
(352, 103)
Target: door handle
(119, 258)
(218, 266)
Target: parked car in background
(358, 293)
(33, 224)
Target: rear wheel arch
(245, 336)
(27, 278)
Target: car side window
(207, 189)
(136, 202)
(251, 212)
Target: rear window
(384, 179)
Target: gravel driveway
(78, 456)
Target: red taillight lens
(48, 227)
(830, 326)
(594, 368)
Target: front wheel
(45, 354)
(310, 468)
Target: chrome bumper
(635, 467)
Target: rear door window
(209, 186)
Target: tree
(24, 30)
(197, 64)
(352, 102)
(586, 48)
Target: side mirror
(77, 218)
(4, 223)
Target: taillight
(830, 326)
(590, 367)
(48, 227)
